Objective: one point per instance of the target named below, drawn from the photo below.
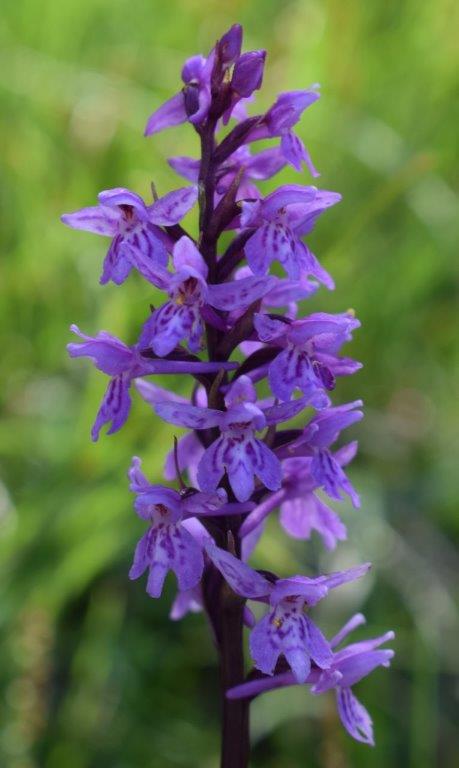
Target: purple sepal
(171, 113)
(241, 578)
(248, 73)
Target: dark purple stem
(225, 609)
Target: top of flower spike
(207, 81)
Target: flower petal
(153, 394)
(168, 325)
(138, 482)
(188, 415)
(142, 555)
(318, 647)
(210, 467)
(185, 254)
(265, 464)
(171, 208)
(238, 294)
(109, 354)
(120, 196)
(300, 516)
(97, 219)
(354, 716)
(265, 645)
(329, 474)
(271, 242)
(187, 167)
(115, 406)
(117, 263)
(241, 578)
(172, 112)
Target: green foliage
(93, 672)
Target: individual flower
(287, 629)
(322, 431)
(308, 353)
(280, 119)
(123, 364)
(137, 240)
(280, 220)
(302, 511)
(348, 666)
(241, 164)
(168, 545)
(192, 301)
(191, 103)
(236, 451)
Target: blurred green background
(92, 671)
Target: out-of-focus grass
(92, 671)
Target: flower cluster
(231, 326)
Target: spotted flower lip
(168, 545)
(237, 451)
(308, 354)
(280, 220)
(348, 666)
(137, 240)
(286, 629)
(192, 301)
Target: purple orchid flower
(321, 432)
(301, 509)
(308, 358)
(288, 630)
(280, 119)
(168, 545)
(191, 103)
(237, 451)
(192, 301)
(137, 240)
(285, 629)
(123, 364)
(281, 220)
(348, 667)
(242, 164)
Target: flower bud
(248, 73)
